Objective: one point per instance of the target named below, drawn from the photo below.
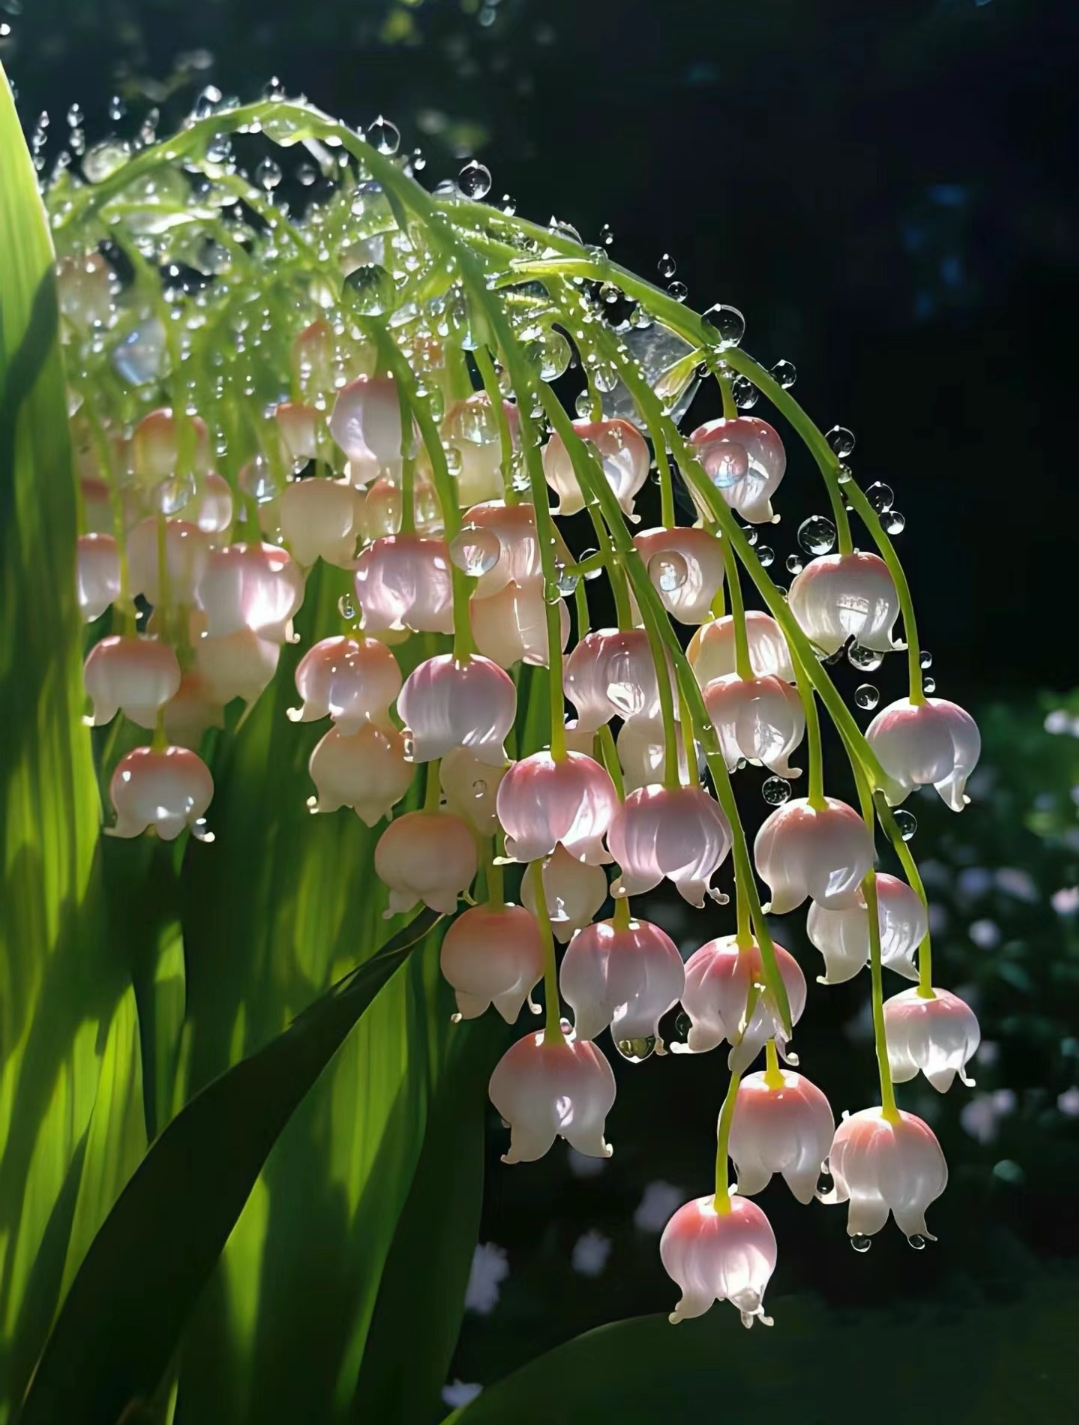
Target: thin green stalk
(880, 1033)
(552, 1033)
(722, 1200)
(773, 1074)
(490, 384)
(492, 870)
(580, 601)
(608, 756)
(871, 520)
(816, 796)
(743, 665)
(906, 859)
(432, 795)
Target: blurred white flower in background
(489, 1269)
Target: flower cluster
(366, 396)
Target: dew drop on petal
(867, 659)
(637, 1050)
(370, 290)
(816, 535)
(925, 659)
(906, 821)
(825, 1183)
(766, 555)
(475, 550)
(346, 607)
(775, 791)
(794, 564)
(867, 696)
(861, 1243)
(668, 570)
(917, 1241)
(929, 685)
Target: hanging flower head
(625, 977)
(841, 596)
(759, 719)
(544, 802)
(679, 833)
(427, 856)
(623, 455)
(782, 1126)
(933, 743)
(493, 955)
(745, 460)
(936, 1034)
(726, 998)
(711, 649)
(881, 1165)
(719, 1256)
(165, 790)
(842, 936)
(553, 1088)
(447, 704)
(351, 680)
(823, 852)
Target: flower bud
(320, 519)
(403, 581)
(471, 788)
(745, 460)
(675, 832)
(255, 587)
(97, 573)
(642, 751)
(366, 420)
(620, 449)
(711, 649)
(685, 565)
(721, 979)
(841, 596)
(237, 665)
(937, 1036)
(446, 704)
(165, 790)
(365, 770)
(623, 977)
(609, 674)
(511, 626)
(133, 674)
(719, 1256)
(934, 743)
(493, 955)
(823, 852)
(298, 426)
(842, 936)
(186, 551)
(351, 680)
(427, 856)
(881, 1166)
(543, 802)
(519, 557)
(760, 719)
(548, 1089)
(470, 428)
(782, 1128)
(573, 890)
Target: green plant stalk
(906, 859)
(607, 756)
(722, 1200)
(490, 384)
(880, 1033)
(552, 1033)
(817, 799)
(743, 665)
(871, 520)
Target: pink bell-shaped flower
(211, 505)
(166, 790)
(493, 955)
(379, 510)
(403, 581)
(823, 852)
(446, 704)
(320, 519)
(470, 429)
(366, 420)
(137, 675)
(237, 665)
(187, 549)
(156, 446)
(471, 787)
(881, 1166)
(675, 832)
(642, 752)
(937, 1036)
(934, 743)
(519, 557)
(760, 719)
(745, 460)
(351, 680)
(609, 674)
(365, 770)
(427, 856)
(573, 890)
(511, 626)
(193, 709)
(543, 802)
(721, 978)
(547, 1089)
(685, 565)
(780, 1128)
(298, 426)
(841, 596)
(623, 977)
(719, 1256)
(711, 649)
(842, 936)
(251, 586)
(97, 573)
(621, 450)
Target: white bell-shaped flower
(543, 802)
(366, 420)
(165, 790)
(881, 1166)
(719, 1256)
(621, 450)
(187, 549)
(745, 460)
(237, 665)
(427, 856)
(609, 674)
(626, 978)
(934, 743)
(366, 770)
(780, 1127)
(132, 674)
(685, 565)
(548, 1089)
(298, 426)
(842, 936)
(711, 649)
(446, 704)
(519, 557)
(470, 429)
(822, 852)
(493, 955)
(352, 680)
(511, 626)
(841, 596)
(97, 574)
(572, 889)
(936, 1036)
(320, 519)
(193, 709)
(211, 505)
(403, 581)
(471, 787)
(251, 586)
(158, 443)
(642, 752)
(675, 832)
(760, 719)
(726, 999)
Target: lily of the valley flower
(471, 787)
(547, 1089)
(841, 596)
(711, 649)
(403, 581)
(573, 890)
(621, 450)
(427, 856)
(511, 626)
(881, 1166)
(187, 549)
(132, 674)
(366, 420)
(493, 955)
(298, 426)
(156, 446)
(195, 707)
(251, 586)
(642, 752)
(822, 852)
(366, 770)
(167, 790)
(842, 936)
(97, 571)
(934, 743)
(469, 428)
(320, 519)
(544, 802)
(352, 680)
(610, 673)
(679, 833)
(784, 1127)
(686, 566)
(237, 665)
(445, 704)
(725, 999)
(211, 505)
(744, 458)
(936, 1036)
(519, 558)
(719, 1256)
(760, 719)
(625, 977)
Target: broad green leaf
(122, 1319)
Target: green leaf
(122, 1319)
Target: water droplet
(201, 832)
(679, 291)
(784, 372)
(370, 290)
(841, 440)
(104, 159)
(346, 607)
(894, 522)
(384, 136)
(861, 1243)
(606, 235)
(75, 116)
(682, 1025)
(553, 352)
(794, 564)
(257, 479)
(566, 580)
(765, 555)
(775, 791)
(508, 205)
(117, 109)
(727, 324)
(637, 1050)
(880, 496)
(479, 788)
(917, 1241)
(750, 534)
(867, 696)
(925, 659)
(454, 460)
(274, 90)
(666, 266)
(906, 821)
(268, 174)
(583, 404)
(596, 573)
(816, 535)
(825, 1183)
(170, 497)
(929, 685)
(474, 180)
(867, 659)
(745, 393)
(475, 550)
(668, 570)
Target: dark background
(887, 192)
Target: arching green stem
(871, 520)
